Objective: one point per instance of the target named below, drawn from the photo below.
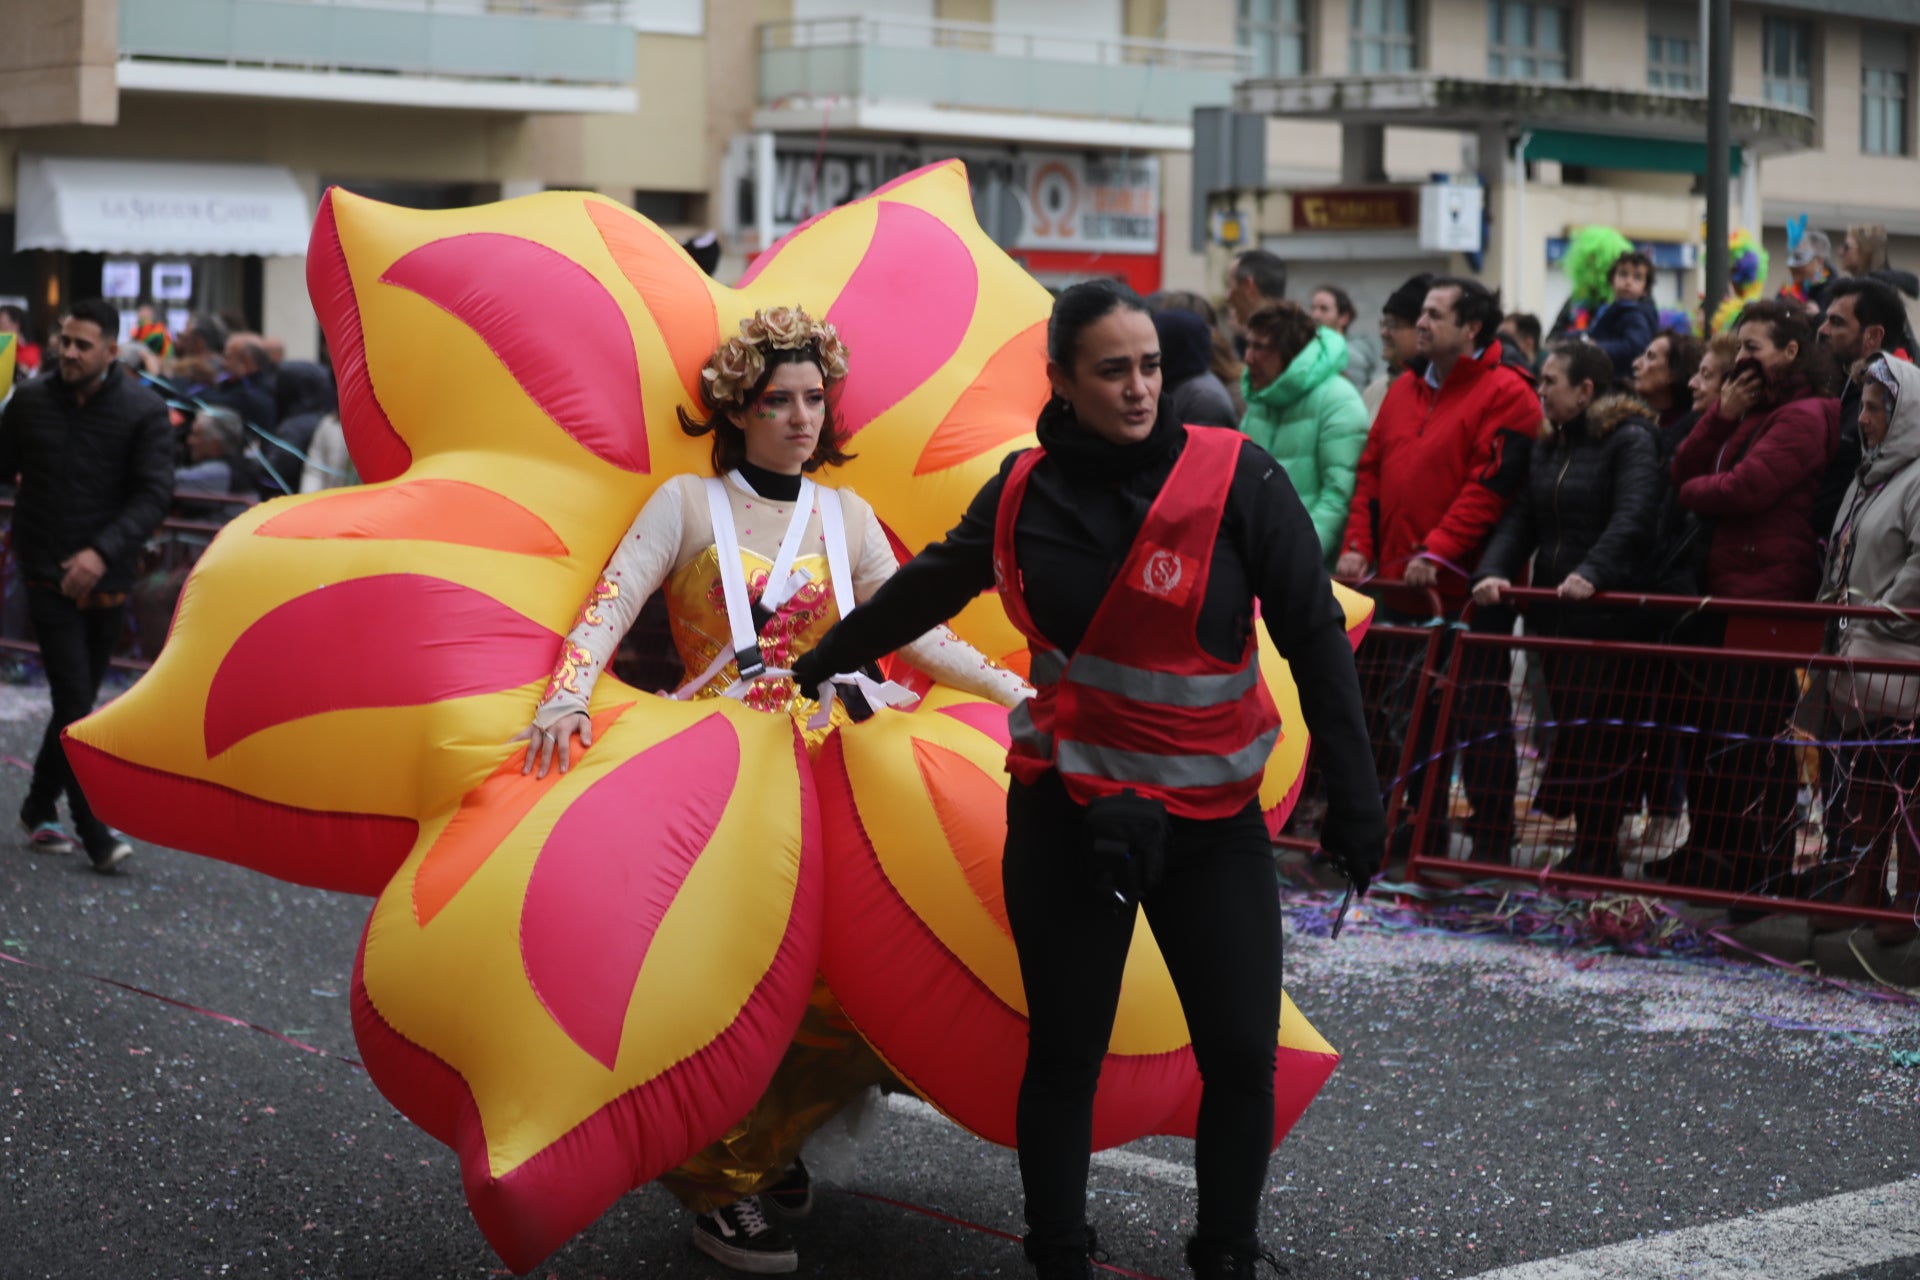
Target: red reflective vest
(1140, 704)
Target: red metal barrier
(1710, 754)
(1398, 662)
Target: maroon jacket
(1757, 479)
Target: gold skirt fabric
(826, 1067)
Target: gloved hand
(1355, 847)
(809, 672)
(1127, 835)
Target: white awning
(159, 206)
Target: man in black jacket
(94, 452)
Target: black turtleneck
(1084, 505)
(770, 484)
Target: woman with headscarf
(1874, 560)
(1193, 394)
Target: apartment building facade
(1075, 118)
(175, 153)
(1570, 112)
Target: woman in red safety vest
(1131, 551)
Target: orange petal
(423, 511)
(485, 817)
(1000, 405)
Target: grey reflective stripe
(1167, 771)
(1048, 666)
(1025, 733)
(1162, 687)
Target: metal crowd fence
(1700, 749)
(1398, 662)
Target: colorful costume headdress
(1589, 260)
(1746, 272)
(740, 362)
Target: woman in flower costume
(756, 563)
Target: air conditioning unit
(1451, 217)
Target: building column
(1363, 154)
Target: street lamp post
(1719, 52)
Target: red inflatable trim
(342, 852)
(392, 640)
(574, 358)
(377, 449)
(873, 936)
(535, 1208)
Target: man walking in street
(93, 450)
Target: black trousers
(1216, 916)
(75, 645)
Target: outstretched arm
(939, 652)
(927, 590)
(635, 570)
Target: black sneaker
(791, 1198)
(740, 1237)
(108, 852)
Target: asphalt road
(1500, 1104)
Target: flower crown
(737, 367)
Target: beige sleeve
(642, 561)
(939, 653)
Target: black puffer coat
(96, 475)
(1589, 506)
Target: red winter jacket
(1440, 467)
(1757, 479)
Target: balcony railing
(983, 66)
(561, 42)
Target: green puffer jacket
(1312, 421)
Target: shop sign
(1368, 209)
(1039, 200)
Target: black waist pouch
(1127, 838)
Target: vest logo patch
(1165, 575)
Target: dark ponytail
(1081, 305)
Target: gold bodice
(697, 609)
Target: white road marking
(1151, 1168)
(1826, 1237)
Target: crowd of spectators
(1627, 459)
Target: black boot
(1227, 1259)
(1062, 1261)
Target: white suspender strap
(733, 581)
(833, 527)
(782, 582)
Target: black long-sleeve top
(1083, 507)
(98, 474)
